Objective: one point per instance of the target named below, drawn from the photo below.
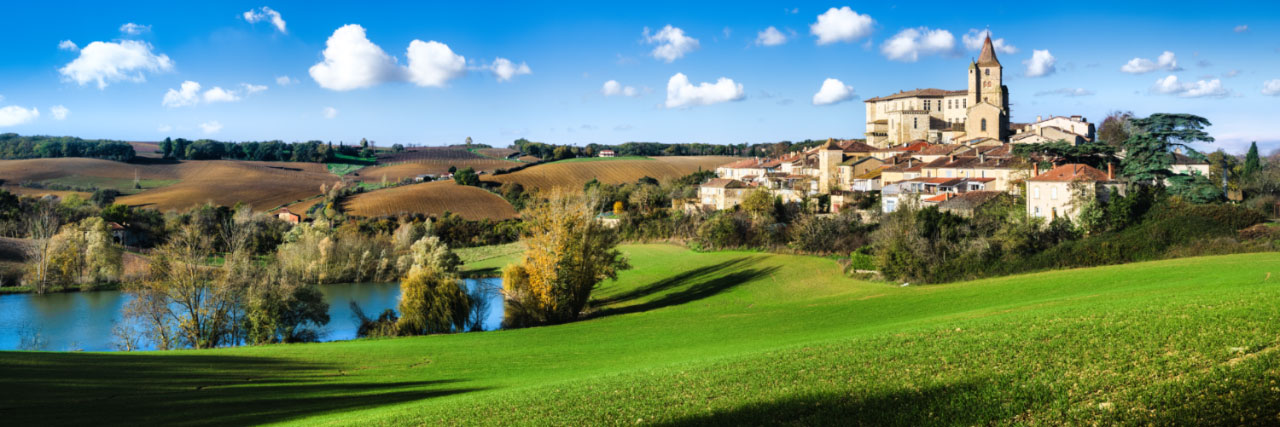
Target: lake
(75, 321)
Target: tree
(1252, 163)
(42, 225)
(568, 253)
(468, 143)
(1115, 129)
(467, 176)
(397, 148)
(82, 253)
(185, 303)
(166, 147)
(1148, 151)
(431, 299)
(759, 204)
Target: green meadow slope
(745, 338)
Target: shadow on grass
(697, 284)
(147, 389)
(952, 404)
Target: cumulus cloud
(187, 95)
(59, 112)
(1166, 61)
(770, 37)
(134, 29)
(211, 127)
(1041, 63)
(1242, 28)
(833, 91)
(68, 45)
(841, 25)
(613, 88)
(434, 64)
(264, 13)
(351, 61)
(505, 70)
(106, 62)
(1066, 92)
(1198, 89)
(285, 80)
(681, 93)
(330, 112)
(910, 43)
(1271, 87)
(14, 115)
(672, 43)
(974, 38)
(218, 94)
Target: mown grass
(341, 169)
(488, 261)
(746, 338)
(123, 185)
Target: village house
(943, 116)
(1186, 165)
(1059, 192)
(967, 204)
(607, 153)
(722, 193)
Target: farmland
(573, 174)
(263, 185)
(733, 338)
(429, 160)
(431, 198)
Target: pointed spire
(988, 56)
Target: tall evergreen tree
(1252, 163)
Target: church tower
(988, 113)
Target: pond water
(75, 321)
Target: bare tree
(42, 225)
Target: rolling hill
(431, 198)
(744, 338)
(574, 173)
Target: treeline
(553, 152)
(14, 146)
(270, 151)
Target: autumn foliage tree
(432, 300)
(569, 253)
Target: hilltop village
(933, 147)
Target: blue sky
(1104, 56)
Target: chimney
(1111, 172)
(1035, 169)
(951, 158)
(1039, 119)
(908, 163)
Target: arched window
(984, 125)
(987, 71)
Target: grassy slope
(734, 338)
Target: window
(987, 71)
(1037, 211)
(1053, 193)
(1035, 194)
(984, 125)
(927, 104)
(964, 103)
(915, 123)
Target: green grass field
(123, 185)
(745, 338)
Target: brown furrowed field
(431, 198)
(500, 153)
(146, 149)
(429, 160)
(573, 174)
(264, 185)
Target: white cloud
(770, 37)
(14, 115)
(1166, 61)
(1040, 64)
(1242, 28)
(1271, 87)
(286, 80)
(330, 112)
(265, 14)
(613, 88)
(211, 127)
(434, 64)
(504, 69)
(681, 93)
(910, 43)
(1201, 88)
(59, 112)
(351, 61)
(841, 25)
(68, 45)
(218, 94)
(105, 62)
(188, 95)
(672, 43)
(833, 91)
(974, 38)
(134, 29)
(164, 128)
(250, 89)
(1066, 92)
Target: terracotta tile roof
(918, 93)
(724, 183)
(853, 146)
(1071, 172)
(938, 198)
